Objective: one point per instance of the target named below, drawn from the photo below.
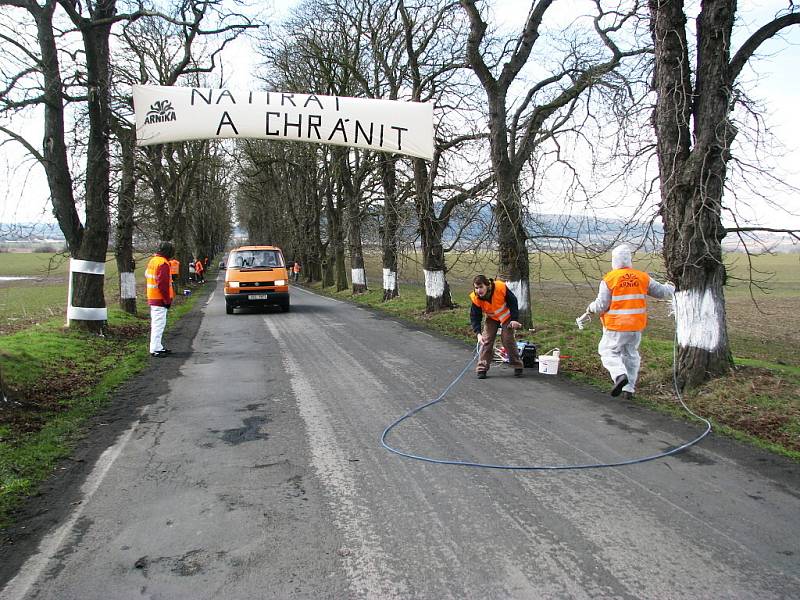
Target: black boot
(620, 382)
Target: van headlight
(280, 282)
(233, 284)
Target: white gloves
(583, 319)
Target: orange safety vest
(153, 293)
(497, 309)
(198, 266)
(628, 308)
(296, 268)
(174, 266)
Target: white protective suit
(619, 350)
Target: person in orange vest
(159, 295)
(174, 271)
(199, 270)
(622, 305)
(296, 271)
(491, 297)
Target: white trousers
(158, 321)
(619, 352)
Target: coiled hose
(466, 463)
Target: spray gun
(583, 320)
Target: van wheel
(228, 309)
(285, 306)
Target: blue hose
(465, 463)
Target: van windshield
(255, 259)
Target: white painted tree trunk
(702, 334)
(359, 278)
(389, 283)
(434, 283)
(521, 289)
(127, 286)
(699, 317)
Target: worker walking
(493, 298)
(199, 270)
(174, 271)
(622, 305)
(296, 271)
(159, 295)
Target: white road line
(367, 565)
(304, 291)
(29, 573)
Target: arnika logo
(160, 111)
(629, 280)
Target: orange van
(256, 276)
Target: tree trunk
(512, 248)
(335, 273)
(328, 270)
(125, 204)
(513, 252)
(692, 179)
(703, 346)
(54, 149)
(316, 257)
(88, 289)
(389, 237)
(437, 290)
(155, 157)
(183, 249)
(340, 268)
(352, 200)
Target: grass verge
(55, 379)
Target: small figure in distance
(199, 270)
(174, 269)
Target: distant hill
(31, 233)
(550, 230)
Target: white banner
(174, 114)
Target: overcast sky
(24, 195)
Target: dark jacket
(476, 314)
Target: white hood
(621, 257)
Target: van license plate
(258, 297)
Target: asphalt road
(249, 465)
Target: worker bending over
(493, 298)
(622, 305)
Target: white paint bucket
(548, 364)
